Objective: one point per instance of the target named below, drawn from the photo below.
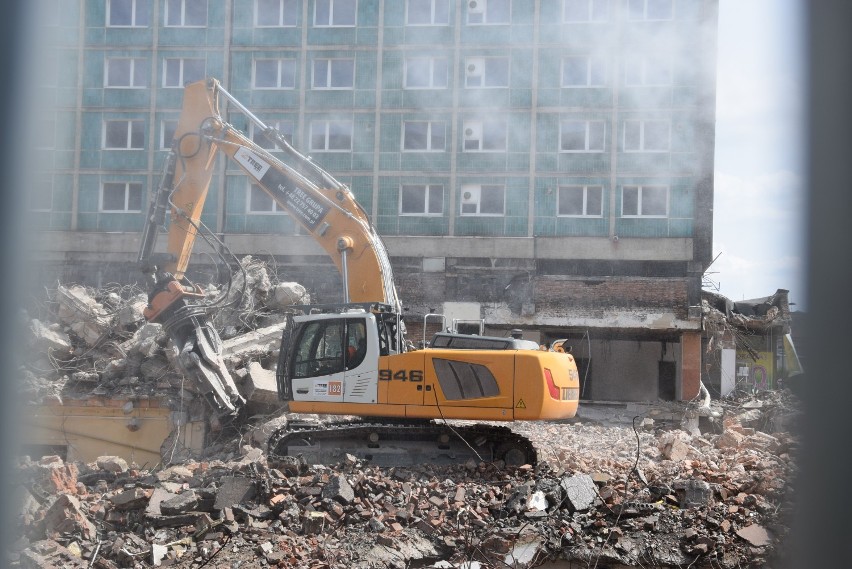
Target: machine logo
(253, 163)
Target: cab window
(319, 349)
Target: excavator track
(401, 443)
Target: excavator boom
(322, 205)
(346, 359)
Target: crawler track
(405, 443)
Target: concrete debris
(89, 343)
(585, 503)
(601, 495)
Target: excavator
(351, 358)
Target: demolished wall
(94, 363)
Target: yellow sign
(521, 404)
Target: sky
(758, 217)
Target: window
(486, 72)
(179, 72)
(427, 13)
(124, 134)
(283, 127)
(645, 201)
(167, 133)
(582, 136)
(482, 199)
(580, 201)
(651, 9)
(424, 135)
(489, 11)
(335, 12)
(121, 196)
(261, 202)
(331, 135)
(321, 347)
(421, 199)
(186, 13)
(128, 13)
(40, 196)
(583, 71)
(274, 73)
(647, 136)
(643, 70)
(276, 13)
(585, 10)
(426, 72)
(485, 135)
(128, 73)
(333, 74)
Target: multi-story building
(544, 164)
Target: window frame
(469, 61)
(132, 74)
(137, 10)
(481, 123)
(631, 10)
(282, 14)
(276, 209)
(280, 86)
(484, 11)
(432, 13)
(183, 12)
(643, 123)
(587, 136)
(428, 190)
(182, 73)
(331, 23)
(590, 12)
(329, 73)
(326, 135)
(129, 134)
(127, 188)
(590, 62)
(639, 200)
(585, 207)
(429, 136)
(432, 73)
(478, 212)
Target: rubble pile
(87, 343)
(600, 495)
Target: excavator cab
(332, 353)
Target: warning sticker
(320, 388)
(521, 404)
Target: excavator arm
(322, 205)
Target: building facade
(542, 164)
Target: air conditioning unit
(473, 130)
(476, 7)
(470, 194)
(475, 66)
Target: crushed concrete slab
(580, 491)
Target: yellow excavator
(350, 358)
